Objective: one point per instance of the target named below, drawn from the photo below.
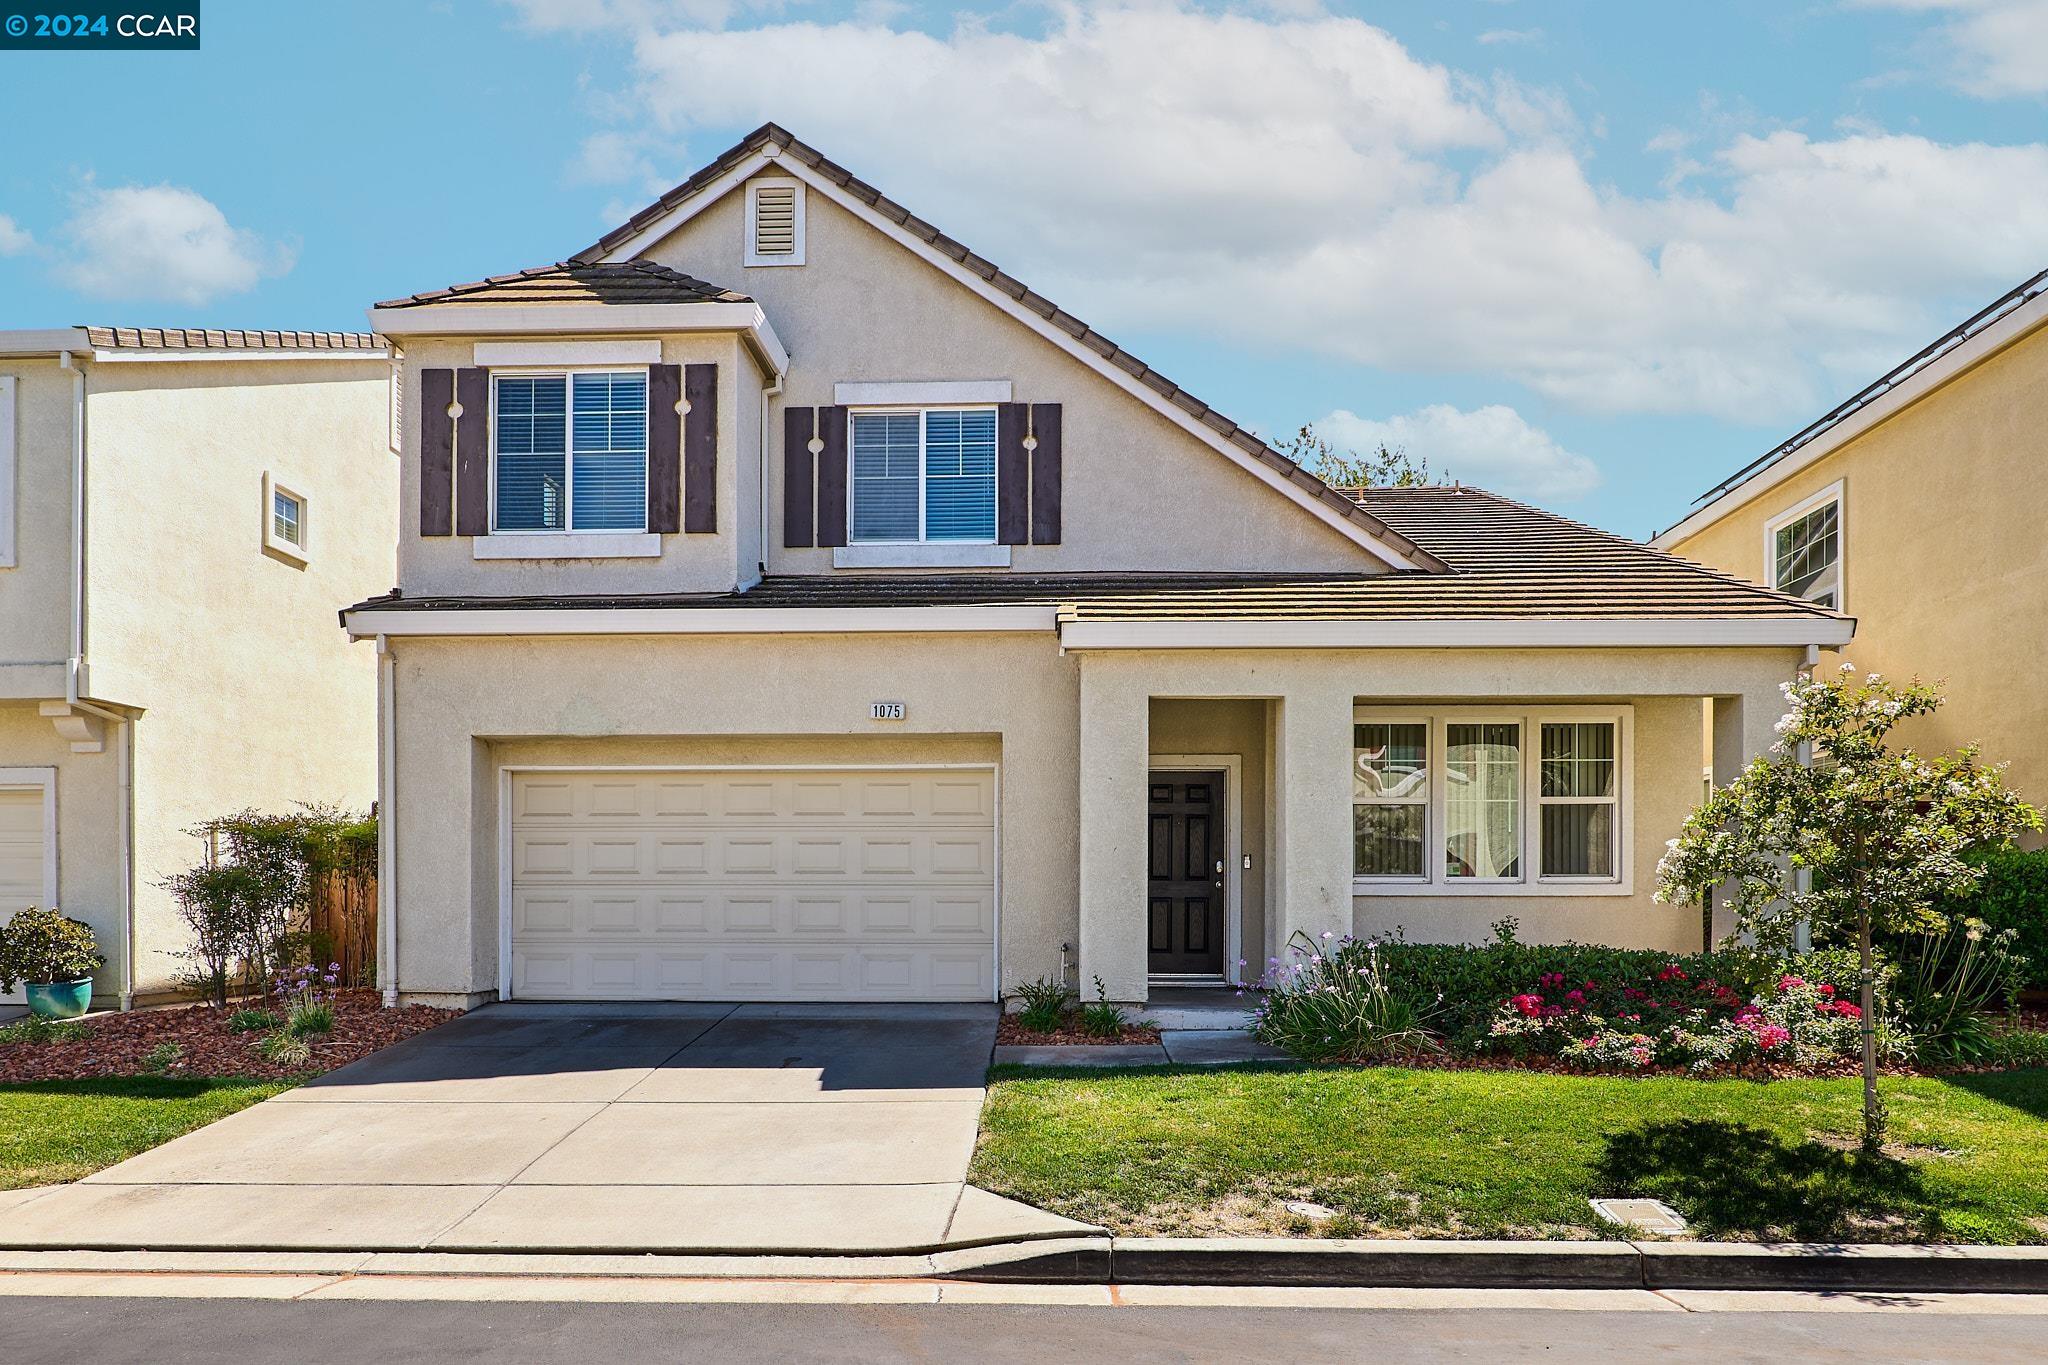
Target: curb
(1361, 1264)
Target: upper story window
(569, 451)
(1803, 547)
(284, 520)
(1456, 802)
(923, 475)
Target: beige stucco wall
(35, 594)
(1945, 563)
(88, 821)
(466, 707)
(1138, 491)
(1074, 735)
(249, 694)
(687, 563)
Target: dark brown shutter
(1045, 474)
(799, 486)
(664, 449)
(473, 453)
(1013, 476)
(832, 476)
(437, 452)
(700, 449)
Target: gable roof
(578, 282)
(771, 142)
(1998, 324)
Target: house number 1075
(885, 710)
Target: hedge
(2014, 895)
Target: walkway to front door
(1186, 847)
(586, 1128)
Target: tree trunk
(1866, 992)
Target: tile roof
(579, 282)
(1506, 561)
(1016, 289)
(226, 339)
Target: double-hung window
(1521, 800)
(1803, 548)
(926, 474)
(569, 451)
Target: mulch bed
(1011, 1033)
(120, 1044)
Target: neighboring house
(180, 513)
(1918, 506)
(862, 626)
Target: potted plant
(54, 957)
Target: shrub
(1676, 1021)
(308, 1008)
(286, 1048)
(1334, 1002)
(42, 946)
(2007, 1046)
(253, 1021)
(162, 1058)
(2013, 895)
(36, 1029)
(1951, 980)
(218, 904)
(1043, 1004)
(1100, 1018)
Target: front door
(1186, 850)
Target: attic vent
(775, 223)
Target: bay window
(1523, 799)
(922, 475)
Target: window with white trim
(1804, 547)
(569, 451)
(922, 474)
(285, 524)
(1521, 799)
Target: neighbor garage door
(754, 884)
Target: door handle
(1219, 867)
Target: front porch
(1234, 800)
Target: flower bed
(195, 1040)
(1010, 1032)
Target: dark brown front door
(1186, 851)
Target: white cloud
(14, 238)
(1310, 183)
(1989, 48)
(142, 242)
(1491, 447)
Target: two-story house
(791, 605)
(180, 512)
(1918, 504)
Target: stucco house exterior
(792, 605)
(180, 512)
(1917, 505)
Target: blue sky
(1595, 254)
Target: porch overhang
(1495, 633)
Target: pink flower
(1528, 1006)
(1790, 983)
(1576, 997)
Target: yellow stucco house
(791, 605)
(180, 513)
(1920, 507)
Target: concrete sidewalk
(696, 1129)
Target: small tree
(1384, 467)
(1882, 831)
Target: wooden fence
(344, 924)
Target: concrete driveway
(534, 1128)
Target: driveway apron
(588, 1128)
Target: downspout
(74, 683)
(768, 392)
(1802, 878)
(387, 822)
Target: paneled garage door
(754, 884)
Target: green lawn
(52, 1131)
(1516, 1154)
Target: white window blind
(571, 451)
(1807, 555)
(926, 475)
(284, 518)
(1577, 794)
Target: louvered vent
(775, 228)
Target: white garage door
(754, 884)
(23, 854)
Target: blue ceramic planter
(59, 999)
